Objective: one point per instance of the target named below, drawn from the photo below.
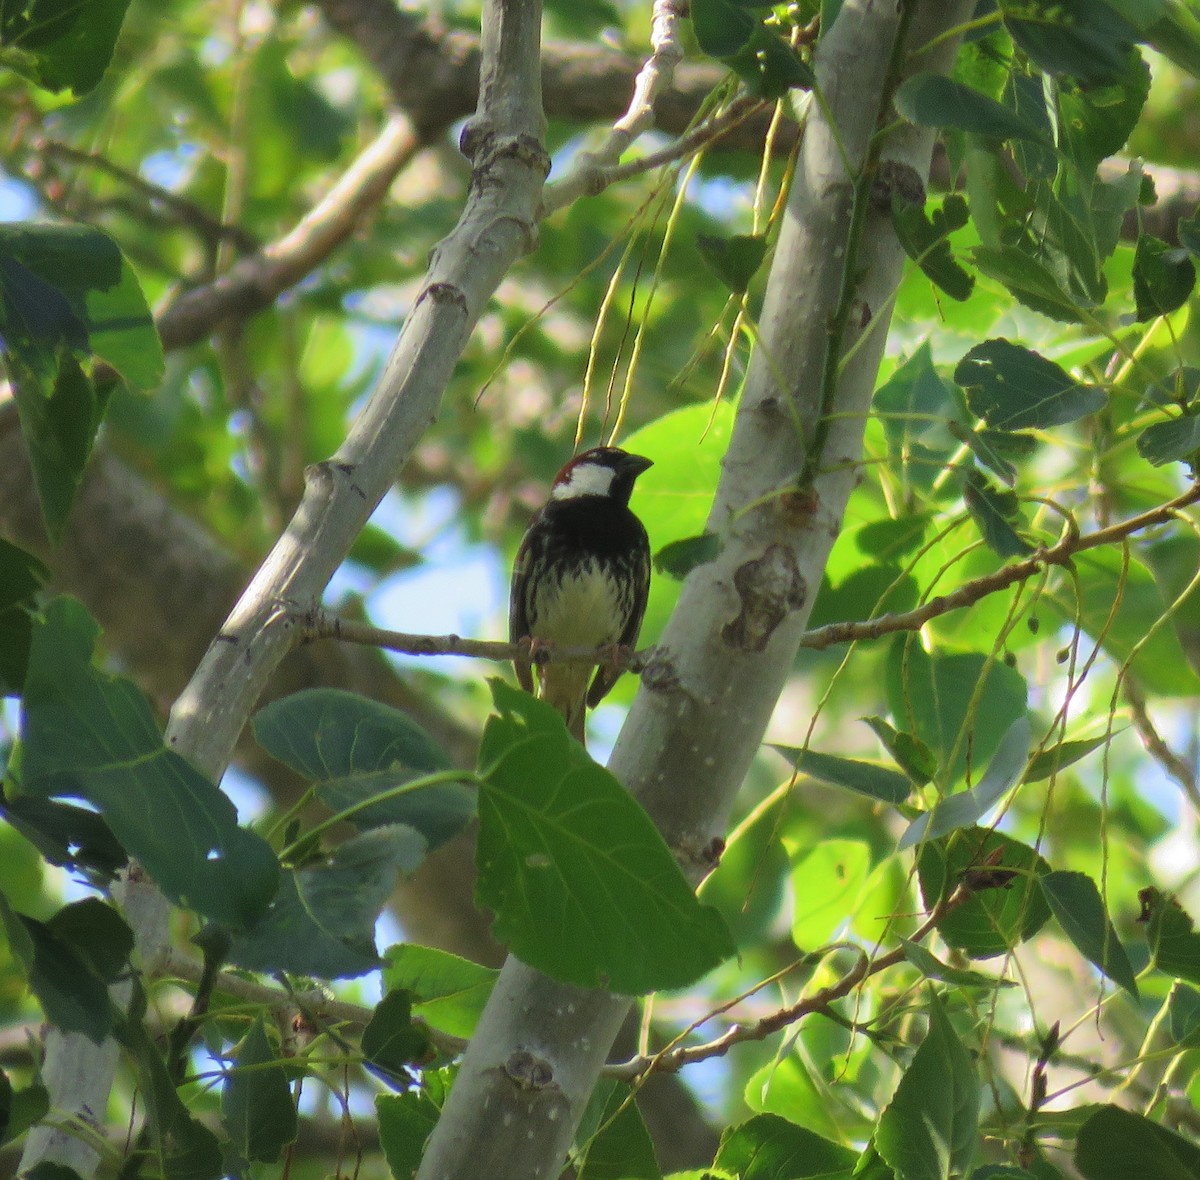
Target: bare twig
(674, 1058)
(256, 281)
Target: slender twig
(316, 1001)
(1177, 768)
(674, 1058)
(319, 624)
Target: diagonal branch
(496, 227)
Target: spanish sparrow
(581, 578)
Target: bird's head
(603, 471)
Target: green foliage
(907, 897)
(563, 846)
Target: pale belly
(582, 611)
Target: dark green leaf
(721, 28)
(967, 807)
(735, 261)
(1174, 944)
(925, 242)
(933, 100)
(185, 1149)
(92, 736)
(934, 695)
(866, 778)
(405, 1121)
(66, 835)
(21, 576)
(1088, 41)
(928, 1130)
(1049, 762)
(1116, 1144)
(59, 45)
(448, 992)
(619, 1148)
(769, 65)
(1163, 277)
(1176, 440)
(1005, 906)
(1029, 280)
(391, 1042)
(563, 846)
(768, 1147)
(25, 1107)
(932, 967)
(1079, 909)
(322, 921)
(358, 750)
(1183, 1007)
(679, 558)
(97, 933)
(912, 755)
(1097, 120)
(1180, 388)
(257, 1108)
(992, 511)
(1013, 388)
(1188, 232)
(72, 996)
(991, 448)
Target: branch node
(770, 587)
(528, 1071)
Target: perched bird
(581, 578)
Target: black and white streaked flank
(581, 577)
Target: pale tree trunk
(704, 703)
(499, 223)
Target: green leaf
(1014, 388)
(934, 695)
(70, 286)
(1049, 762)
(21, 576)
(933, 100)
(24, 1108)
(72, 994)
(925, 241)
(1084, 40)
(1188, 232)
(618, 1145)
(1175, 440)
(721, 28)
(406, 1120)
(257, 1108)
(932, 967)
(769, 65)
(66, 835)
(967, 807)
(1174, 944)
(1183, 1008)
(866, 778)
(391, 1042)
(60, 45)
(564, 847)
(865, 593)
(1079, 910)
(183, 1148)
(912, 755)
(734, 260)
(992, 510)
(1005, 907)
(322, 921)
(991, 448)
(679, 558)
(928, 1131)
(1116, 1144)
(92, 736)
(768, 1147)
(1029, 280)
(826, 885)
(448, 992)
(1163, 277)
(357, 750)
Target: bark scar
(770, 587)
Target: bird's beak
(636, 464)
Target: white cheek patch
(585, 479)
